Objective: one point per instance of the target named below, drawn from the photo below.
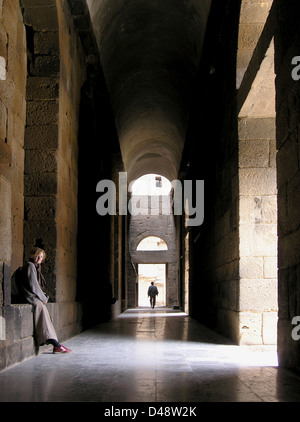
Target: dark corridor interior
(95, 94)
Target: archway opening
(151, 185)
(152, 272)
(152, 240)
(152, 243)
(148, 273)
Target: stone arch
(149, 233)
(164, 229)
(160, 244)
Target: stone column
(12, 121)
(41, 134)
(258, 232)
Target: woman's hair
(35, 251)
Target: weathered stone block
(41, 17)
(26, 317)
(257, 128)
(3, 122)
(13, 323)
(250, 328)
(42, 137)
(40, 162)
(40, 208)
(255, 11)
(45, 230)
(2, 69)
(42, 88)
(270, 327)
(5, 220)
(257, 182)
(3, 43)
(249, 34)
(258, 295)
(19, 351)
(251, 267)
(42, 113)
(269, 209)
(270, 267)
(5, 162)
(258, 240)
(41, 184)
(2, 330)
(45, 66)
(254, 153)
(46, 43)
(7, 92)
(17, 229)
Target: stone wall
(12, 123)
(233, 260)
(72, 76)
(163, 226)
(19, 343)
(287, 41)
(213, 266)
(258, 301)
(41, 135)
(43, 67)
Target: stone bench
(19, 343)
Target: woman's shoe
(61, 349)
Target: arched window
(152, 243)
(151, 184)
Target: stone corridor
(144, 355)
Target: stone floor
(146, 355)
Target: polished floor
(146, 355)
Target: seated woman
(32, 285)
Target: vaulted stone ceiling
(150, 52)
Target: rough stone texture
(258, 228)
(214, 246)
(12, 122)
(252, 19)
(72, 69)
(38, 167)
(41, 167)
(288, 115)
(19, 342)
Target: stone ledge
(19, 344)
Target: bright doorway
(146, 274)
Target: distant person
(152, 293)
(31, 288)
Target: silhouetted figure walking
(152, 293)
